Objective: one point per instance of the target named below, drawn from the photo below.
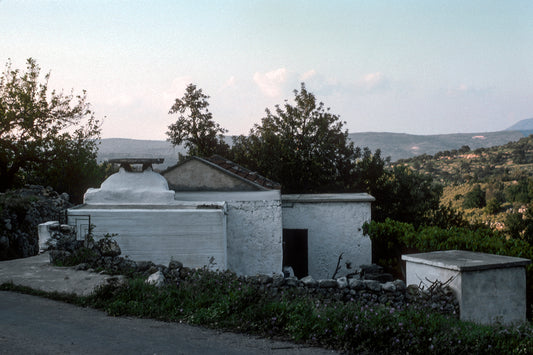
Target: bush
(475, 198)
(493, 206)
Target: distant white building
(224, 216)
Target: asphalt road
(34, 325)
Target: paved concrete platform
(37, 273)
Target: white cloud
(119, 100)
(308, 75)
(372, 81)
(273, 82)
(230, 83)
(463, 87)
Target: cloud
(373, 81)
(176, 90)
(119, 100)
(308, 75)
(273, 82)
(465, 89)
(230, 83)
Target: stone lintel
(462, 260)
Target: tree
(475, 198)
(41, 130)
(302, 145)
(195, 125)
(407, 196)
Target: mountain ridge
(395, 145)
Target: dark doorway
(295, 251)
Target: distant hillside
(523, 126)
(488, 185)
(506, 162)
(402, 146)
(114, 148)
(395, 145)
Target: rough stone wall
(254, 237)
(21, 211)
(366, 292)
(333, 228)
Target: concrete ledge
(461, 260)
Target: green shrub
(475, 198)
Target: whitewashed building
(214, 212)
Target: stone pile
(21, 211)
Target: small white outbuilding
(224, 216)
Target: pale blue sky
(420, 67)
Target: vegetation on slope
(493, 186)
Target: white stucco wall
(255, 237)
(334, 223)
(192, 236)
(254, 232)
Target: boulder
(342, 282)
(157, 279)
(309, 281)
(108, 247)
(327, 283)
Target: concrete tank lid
(462, 260)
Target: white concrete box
(490, 288)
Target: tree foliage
(302, 145)
(195, 125)
(405, 195)
(305, 148)
(44, 133)
(475, 198)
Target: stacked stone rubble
(21, 211)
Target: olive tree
(43, 132)
(195, 126)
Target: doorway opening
(295, 251)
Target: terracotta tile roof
(247, 174)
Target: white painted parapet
(490, 288)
